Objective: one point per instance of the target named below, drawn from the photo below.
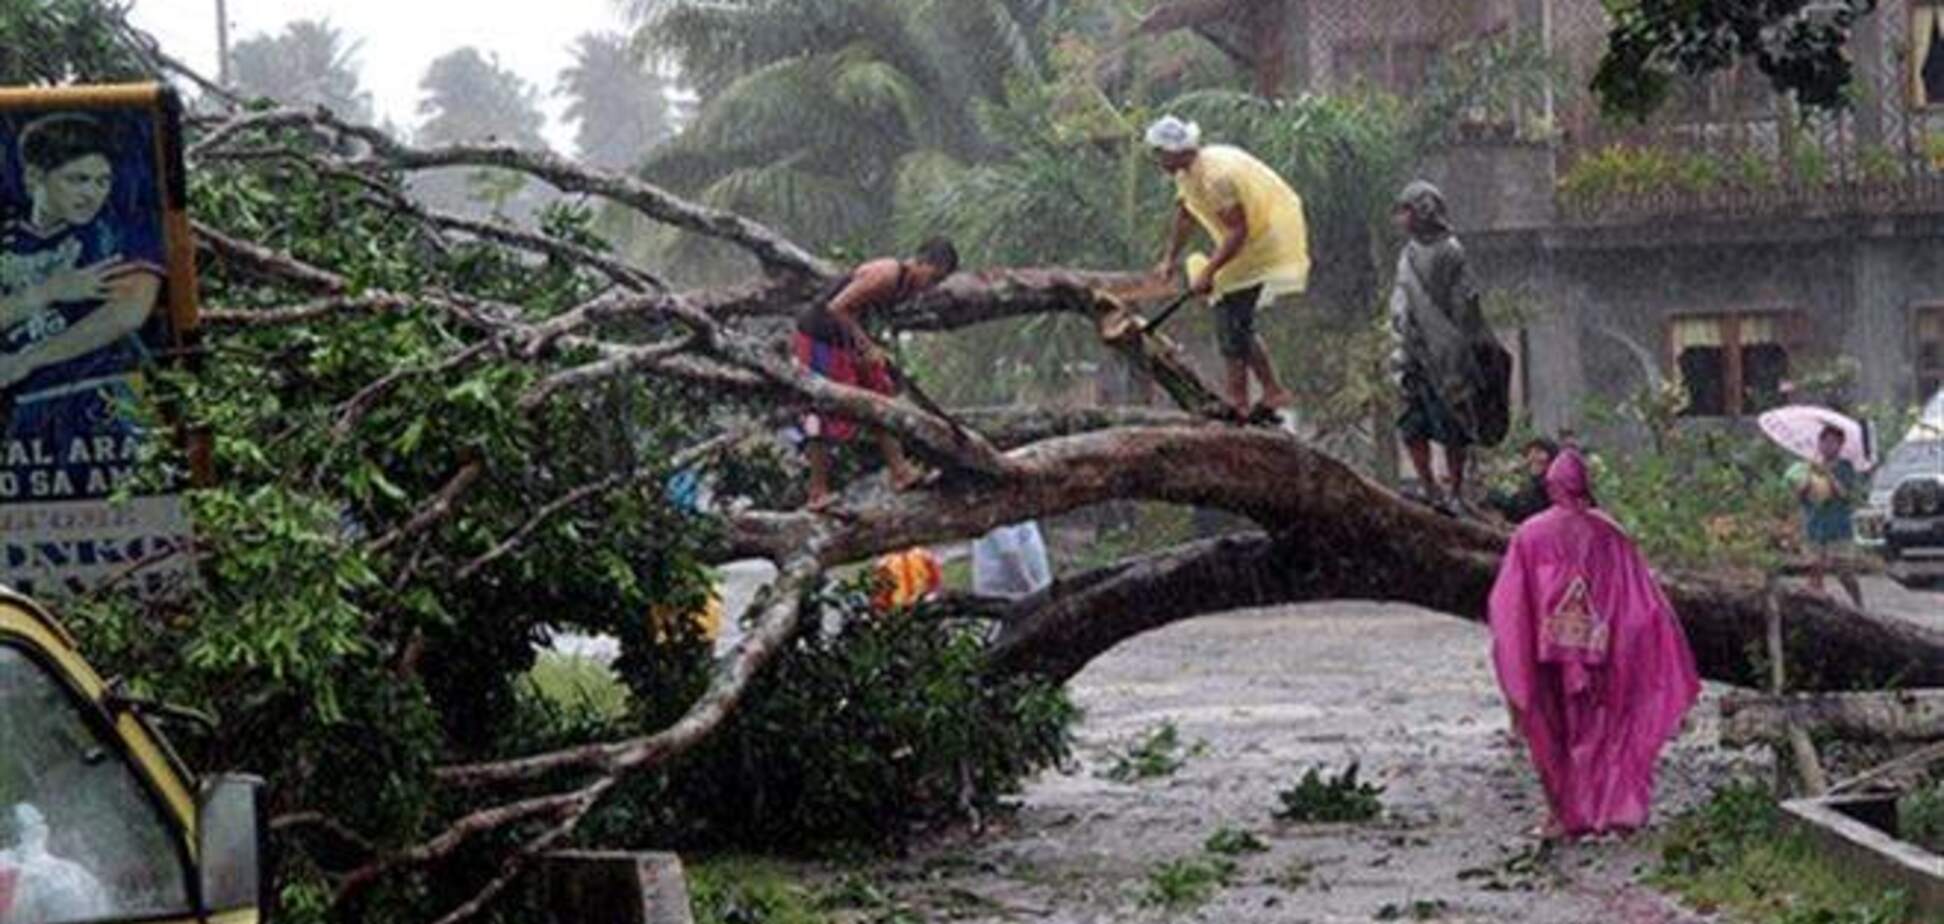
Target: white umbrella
(1798, 428)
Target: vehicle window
(80, 838)
(1933, 414)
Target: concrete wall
(1497, 186)
(1899, 268)
(1606, 298)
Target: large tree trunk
(1057, 634)
(1330, 534)
(1250, 32)
(1896, 716)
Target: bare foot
(1279, 399)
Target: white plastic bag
(1010, 562)
(47, 889)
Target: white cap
(1173, 135)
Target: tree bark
(1058, 633)
(1892, 716)
(1249, 32)
(1330, 534)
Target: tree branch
(519, 860)
(307, 312)
(966, 299)
(442, 505)
(780, 606)
(263, 120)
(1266, 475)
(354, 409)
(1013, 426)
(681, 460)
(1337, 535)
(455, 836)
(621, 360)
(256, 260)
(159, 61)
(773, 250)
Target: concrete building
(1723, 246)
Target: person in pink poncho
(1595, 668)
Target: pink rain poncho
(1591, 658)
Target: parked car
(1912, 457)
(1904, 516)
(1913, 541)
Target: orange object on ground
(707, 621)
(906, 578)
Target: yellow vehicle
(99, 820)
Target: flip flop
(923, 478)
(1547, 832)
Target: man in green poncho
(1436, 323)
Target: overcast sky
(401, 37)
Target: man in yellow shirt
(1262, 245)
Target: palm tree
(620, 105)
(470, 97)
(308, 64)
(1075, 189)
(811, 107)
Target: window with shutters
(1929, 337)
(1732, 364)
(1926, 54)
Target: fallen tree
(461, 518)
(1901, 716)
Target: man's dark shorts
(1426, 418)
(1235, 318)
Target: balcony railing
(1752, 168)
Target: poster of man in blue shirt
(97, 283)
(81, 272)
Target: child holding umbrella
(1827, 488)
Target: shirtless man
(831, 342)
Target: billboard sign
(97, 285)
